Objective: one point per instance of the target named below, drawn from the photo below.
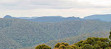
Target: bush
(43, 46)
(87, 46)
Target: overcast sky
(66, 8)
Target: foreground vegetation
(89, 43)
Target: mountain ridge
(45, 18)
(101, 17)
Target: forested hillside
(18, 33)
(89, 43)
(75, 39)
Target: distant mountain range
(45, 18)
(105, 17)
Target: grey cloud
(53, 4)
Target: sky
(65, 8)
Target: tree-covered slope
(90, 43)
(25, 33)
(75, 39)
